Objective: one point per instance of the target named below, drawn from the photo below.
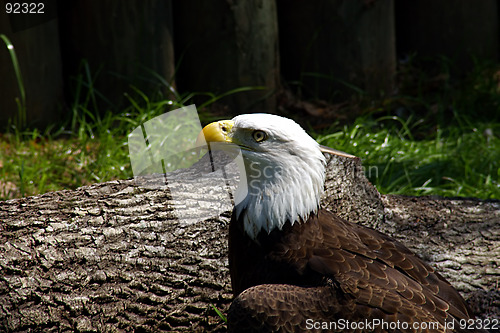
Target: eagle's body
(354, 272)
(295, 267)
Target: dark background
(322, 49)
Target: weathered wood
(225, 45)
(329, 46)
(462, 31)
(115, 257)
(124, 43)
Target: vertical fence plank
(124, 42)
(460, 30)
(223, 45)
(334, 47)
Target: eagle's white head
(285, 169)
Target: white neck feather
(279, 193)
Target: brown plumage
(294, 265)
(328, 269)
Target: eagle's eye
(259, 135)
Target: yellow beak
(215, 132)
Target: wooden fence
(323, 48)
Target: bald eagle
(296, 267)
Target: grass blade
(219, 313)
(21, 119)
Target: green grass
(219, 313)
(445, 140)
(462, 159)
(88, 149)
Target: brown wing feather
(281, 308)
(370, 275)
(289, 308)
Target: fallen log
(142, 255)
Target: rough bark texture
(115, 257)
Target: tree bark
(115, 257)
